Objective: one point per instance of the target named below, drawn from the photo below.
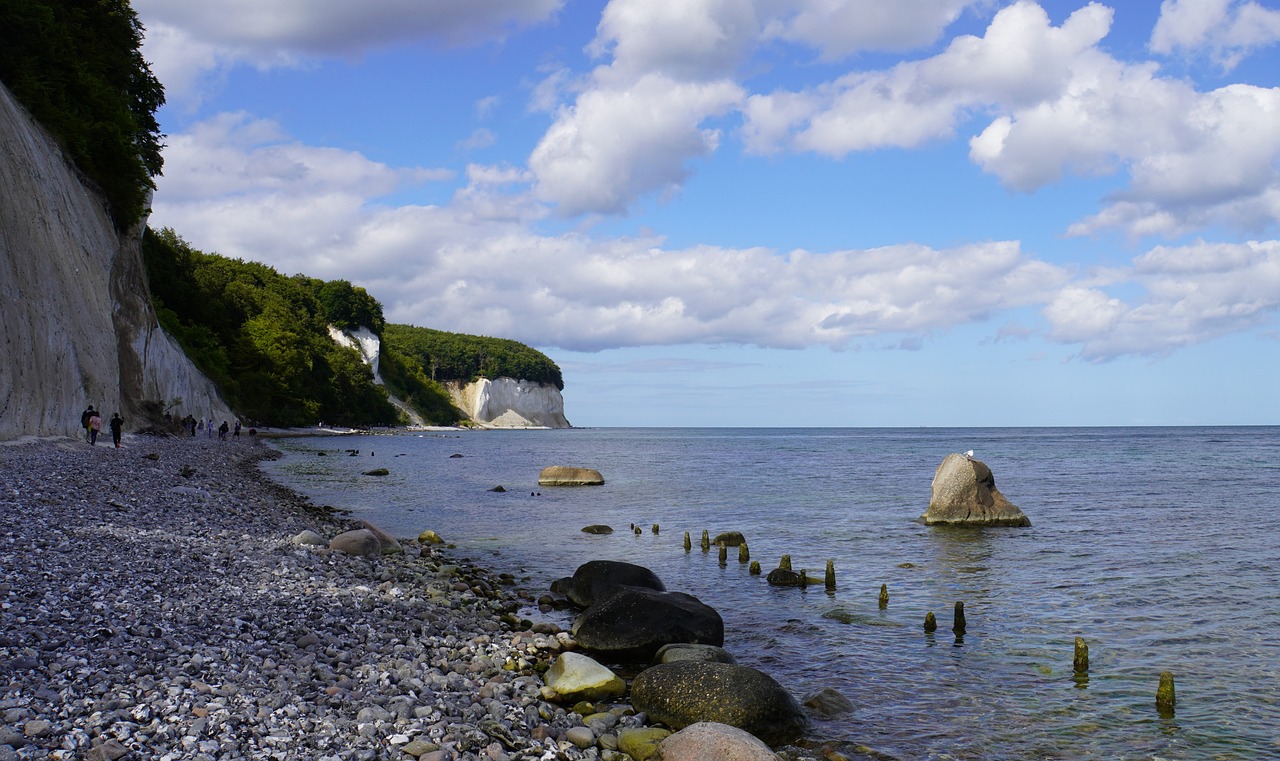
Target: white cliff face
(362, 340)
(510, 403)
(74, 306)
(369, 345)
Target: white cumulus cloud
(1227, 30)
(838, 29)
(1190, 294)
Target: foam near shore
(153, 606)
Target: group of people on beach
(91, 422)
(191, 425)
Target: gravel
(153, 606)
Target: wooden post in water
(930, 623)
(1165, 698)
(884, 596)
(958, 626)
(1081, 662)
(804, 577)
(785, 562)
(831, 574)
(754, 568)
(743, 553)
(724, 553)
(654, 528)
(688, 545)
(637, 530)
(706, 541)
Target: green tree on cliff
(77, 66)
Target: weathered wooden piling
(958, 625)
(804, 577)
(930, 623)
(785, 562)
(884, 596)
(724, 553)
(743, 553)
(831, 574)
(688, 545)
(637, 530)
(754, 568)
(706, 541)
(1165, 698)
(654, 528)
(1081, 661)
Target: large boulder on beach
(596, 578)
(574, 677)
(965, 494)
(390, 545)
(683, 693)
(632, 623)
(563, 475)
(707, 739)
(361, 542)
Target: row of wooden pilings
(1165, 693)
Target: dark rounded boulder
(785, 577)
(596, 578)
(681, 693)
(633, 623)
(730, 539)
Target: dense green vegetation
(455, 356)
(264, 339)
(78, 68)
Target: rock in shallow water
(964, 493)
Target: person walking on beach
(84, 421)
(236, 433)
(222, 431)
(95, 425)
(117, 425)
(208, 431)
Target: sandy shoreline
(152, 605)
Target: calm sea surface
(1159, 546)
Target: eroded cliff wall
(78, 327)
(510, 403)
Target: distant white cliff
(509, 403)
(501, 403)
(78, 325)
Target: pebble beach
(153, 605)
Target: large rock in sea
(965, 494)
(563, 475)
(596, 578)
(683, 693)
(632, 623)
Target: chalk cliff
(501, 403)
(509, 403)
(74, 305)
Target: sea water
(1159, 546)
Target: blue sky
(768, 212)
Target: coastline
(154, 606)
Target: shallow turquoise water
(1159, 546)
